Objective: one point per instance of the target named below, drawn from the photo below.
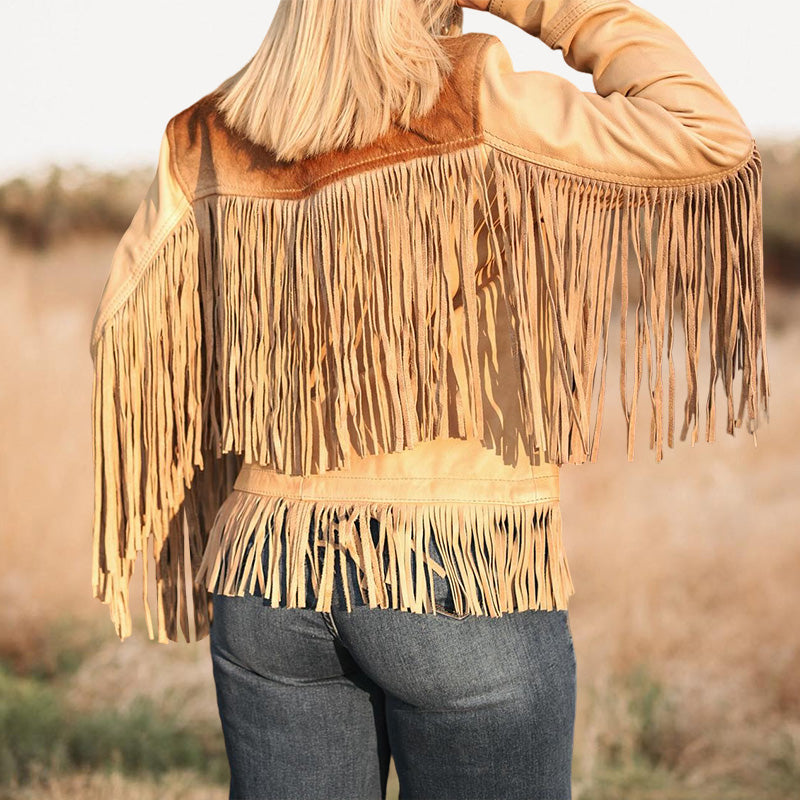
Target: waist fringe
(497, 557)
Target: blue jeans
(312, 704)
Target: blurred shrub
(50, 651)
(40, 213)
(643, 730)
(31, 727)
(40, 734)
(781, 178)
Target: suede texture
(210, 158)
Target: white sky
(95, 81)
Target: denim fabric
(312, 704)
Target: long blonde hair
(333, 74)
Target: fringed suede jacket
(410, 331)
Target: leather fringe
(498, 557)
(344, 337)
(153, 470)
(565, 238)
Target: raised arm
(657, 114)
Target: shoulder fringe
(565, 238)
(332, 333)
(497, 557)
(344, 337)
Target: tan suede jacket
(410, 332)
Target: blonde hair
(334, 74)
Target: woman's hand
(480, 5)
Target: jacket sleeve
(154, 465)
(654, 172)
(657, 114)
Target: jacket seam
(478, 70)
(570, 17)
(129, 285)
(221, 188)
(428, 500)
(173, 160)
(497, 142)
(438, 476)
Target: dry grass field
(684, 618)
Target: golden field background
(687, 571)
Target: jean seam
(330, 623)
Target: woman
(350, 337)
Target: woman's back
(409, 331)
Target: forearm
(657, 111)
